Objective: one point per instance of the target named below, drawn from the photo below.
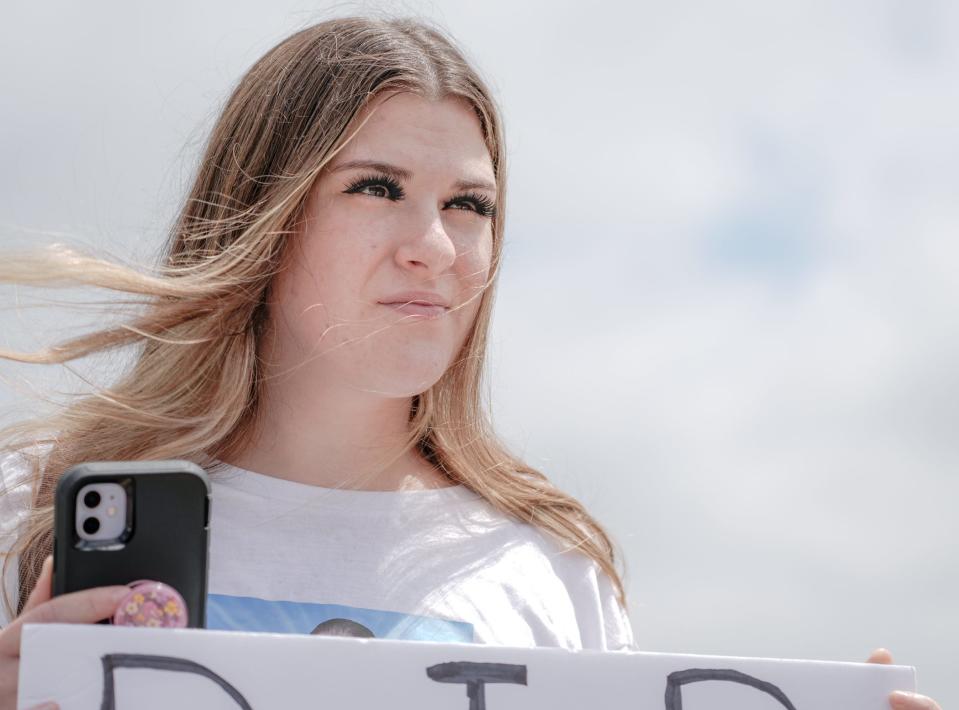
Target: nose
(427, 247)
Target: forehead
(411, 131)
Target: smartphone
(117, 522)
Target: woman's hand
(899, 699)
(86, 607)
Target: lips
(426, 298)
(418, 308)
(425, 304)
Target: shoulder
(18, 471)
(603, 621)
(16, 487)
(587, 591)
(16, 484)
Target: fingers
(42, 590)
(901, 700)
(86, 607)
(880, 655)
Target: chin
(408, 386)
(399, 369)
(394, 380)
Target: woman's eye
(377, 191)
(386, 186)
(483, 206)
(377, 186)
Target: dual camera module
(91, 500)
(101, 513)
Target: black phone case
(169, 540)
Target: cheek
(336, 261)
(474, 268)
(314, 292)
(474, 272)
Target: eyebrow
(405, 174)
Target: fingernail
(902, 699)
(45, 706)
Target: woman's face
(415, 227)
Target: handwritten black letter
(476, 676)
(113, 661)
(675, 681)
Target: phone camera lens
(91, 499)
(91, 525)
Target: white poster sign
(89, 667)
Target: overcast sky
(727, 319)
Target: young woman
(316, 338)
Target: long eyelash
(390, 183)
(485, 207)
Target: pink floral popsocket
(151, 604)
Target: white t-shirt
(439, 565)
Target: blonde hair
(193, 388)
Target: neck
(335, 437)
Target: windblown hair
(193, 388)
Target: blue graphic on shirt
(228, 613)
